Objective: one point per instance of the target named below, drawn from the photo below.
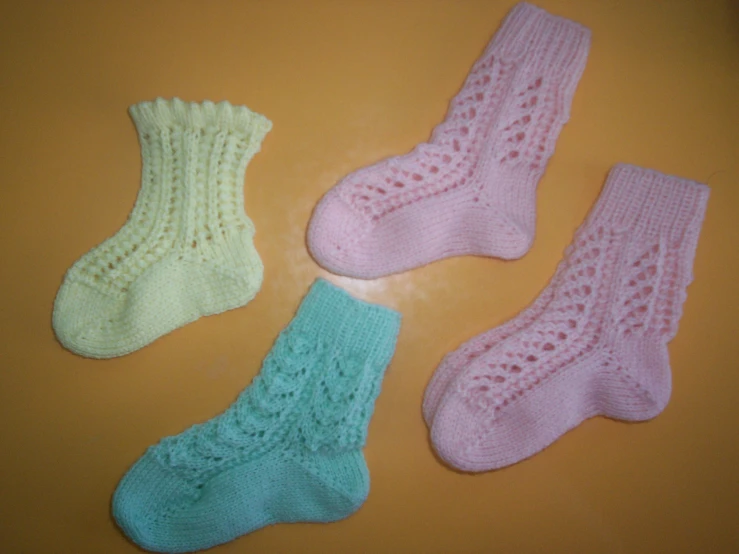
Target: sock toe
(82, 313)
(456, 434)
(145, 495)
(100, 322)
(334, 235)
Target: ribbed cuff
(651, 204)
(546, 44)
(163, 114)
(350, 325)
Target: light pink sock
(599, 345)
(471, 189)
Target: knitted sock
(598, 345)
(471, 189)
(288, 450)
(186, 250)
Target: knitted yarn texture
(289, 449)
(186, 250)
(594, 342)
(471, 189)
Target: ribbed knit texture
(186, 250)
(471, 189)
(289, 449)
(594, 342)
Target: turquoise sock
(289, 449)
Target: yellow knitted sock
(186, 250)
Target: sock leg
(599, 346)
(186, 250)
(471, 188)
(289, 449)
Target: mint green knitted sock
(186, 250)
(289, 449)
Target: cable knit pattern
(594, 343)
(186, 250)
(289, 449)
(471, 188)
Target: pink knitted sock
(598, 345)
(471, 188)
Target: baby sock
(186, 250)
(289, 449)
(597, 342)
(471, 189)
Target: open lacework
(307, 396)
(582, 316)
(518, 113)
(200, 202)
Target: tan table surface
(347, 83)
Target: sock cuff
(651, 204)
(348, 324)
(161, 114)
(546, 44)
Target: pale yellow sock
(186, 250)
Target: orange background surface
(347, 83)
